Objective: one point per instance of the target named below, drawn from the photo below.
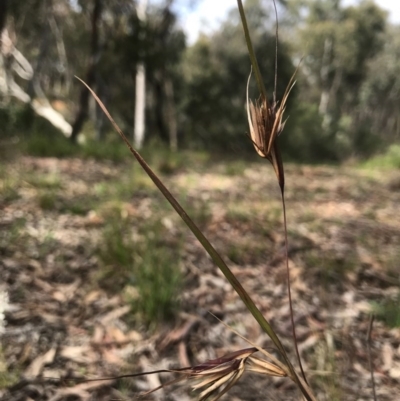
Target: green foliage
(47, 200)
(344, 104)
(389, 160)
(304, 139)
(330, 267)
(235, 168)
(7, 377)
(145, 264)
(305, 131)
(8, 187)
(340, 44)
(216, 70)
(48, 245)
(104, 150)
(165, 161)
(246, 252)
(9, 236)
(389, 311)
(42, 145)
(117, 247)
(199, 210)
(157, 276)
(44, 181)
(239, 213)
(380, 91)
(326, 360)
(18, 119)
(77, 206)
(56, 145)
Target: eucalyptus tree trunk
(324, 74)
(171, 114)
(90, 74)
(140, 96)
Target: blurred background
(98, 275)
(175, 72)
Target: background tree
(380, 91)
(91, 70)
(140, 93)
(216, 70)
(348, 79)
(16, 66)
(339, 43)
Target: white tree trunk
(140, 97)
(140, 106)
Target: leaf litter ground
(69, 318)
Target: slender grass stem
(288, 286)
(247, 300)
(371, 364)
(253, 58)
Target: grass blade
(250, 305)
(253, 58)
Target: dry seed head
(265, 124)
(217, 376)
(265, 121)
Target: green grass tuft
(389, 160)
(157, 276)
(48, 146)
(144, 263)
(235, 168)
(47, 200)
(388, 311)
(44, 181)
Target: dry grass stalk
(370, 362)
(266, 124)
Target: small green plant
(45, 145)
(8, 191)
(157, 275)
(11, 234)
(48, 181)
(78, 206)
(8, 186)
(144, 264)
(388, 160)
(167, 162)
(238, 213)
(200, 211)
(7, 378)
(389, 311)
(47, 200)
(42, 145)
(235, 168)
(329, 267)
(116, 249)
(47, 245)
(325, 361)
(104, 150)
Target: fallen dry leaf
(37, 365)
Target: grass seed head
(266, 124)
(216, 377)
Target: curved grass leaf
(243, 294)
